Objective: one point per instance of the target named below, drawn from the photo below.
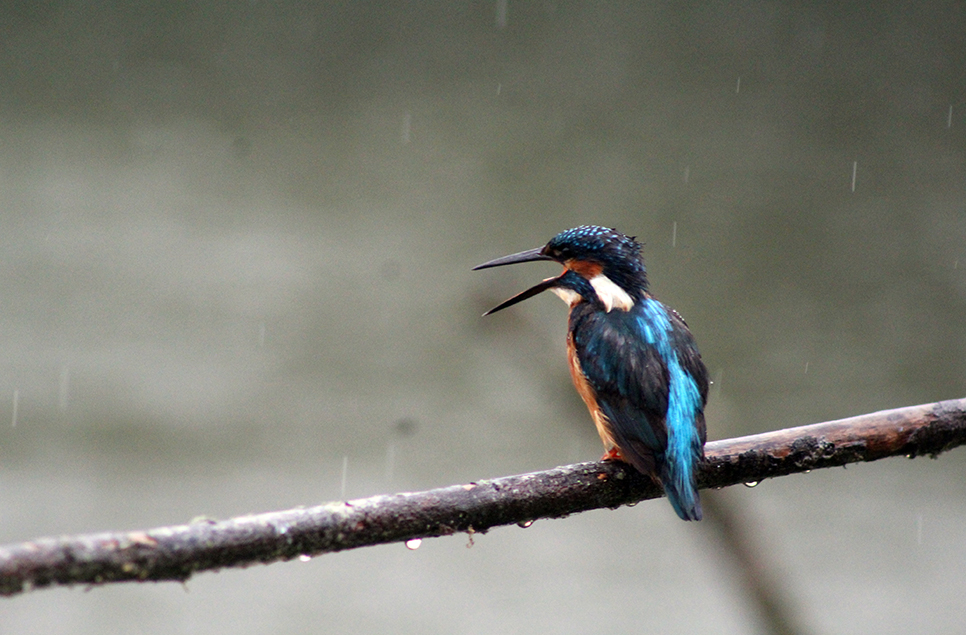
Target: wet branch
(177, 552)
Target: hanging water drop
(413, 544)
(752, 483)
(524, 524)
(305, 557)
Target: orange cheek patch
(585, 268)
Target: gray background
(235, 252)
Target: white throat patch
(569, 296)
(611, 295)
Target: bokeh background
(235, 252)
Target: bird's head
(601, 266)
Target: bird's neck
(610, 294)
(599, 290)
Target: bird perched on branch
(632, 359)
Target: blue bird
(632, 359)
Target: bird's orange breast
(586, 392)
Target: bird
(632, 359)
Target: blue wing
(651, 385)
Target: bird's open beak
(529, 255)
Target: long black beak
(524, 256)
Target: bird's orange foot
(613, 454)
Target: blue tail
(681, 489)
(684, 444)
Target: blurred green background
(235, 252)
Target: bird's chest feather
(589, 395)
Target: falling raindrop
(345, 473)
(501, 8)
(949, 118)
(525, 524)
(404, 134)
(806, 368)
(305, 557)
(716, 382)
(752, 483)
(674, 234)
(413, 544)
(738, 85)
(390, 460)
(63, 391)
(16, 403)
(687, 173)
(499, 88)
(855, 169)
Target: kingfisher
(632, 359)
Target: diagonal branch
(176, 552)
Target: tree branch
(176, 552)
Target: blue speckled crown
(607, 246)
